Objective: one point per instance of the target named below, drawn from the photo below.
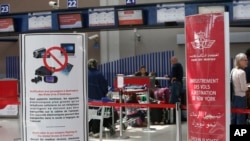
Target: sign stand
(53, 106)
(208, 102)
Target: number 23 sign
(5, 9)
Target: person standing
(97, 84)
(97, 89)
(240, 87)
(176, 81)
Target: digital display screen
(170, 13)
(241, 10)
(7, 25)
(70, 20)
(69, 48)
(130, 17)
(211, 9)
(101, 17)
(39, 21)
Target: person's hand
(173, 79)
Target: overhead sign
(130, 2)
(5, 8)
(72, 3)
(54, 103)
(207, 48)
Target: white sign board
(53, 87)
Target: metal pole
(120, 97)
(178, 122)
(121, 120)
(148, 114)
(113, 117)
(148, 111)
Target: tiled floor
(162, 133)
(10, 131)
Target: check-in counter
(9, 101)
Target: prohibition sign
(61, 65)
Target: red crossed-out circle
(49, 53)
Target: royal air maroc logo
(201, 42)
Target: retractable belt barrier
(241, 111)
(233, 110)
(131, 105)
(176, 106)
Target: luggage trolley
(137, 80)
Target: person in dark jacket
(97, 84)
(176, 80)
(97, 89)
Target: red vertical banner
(207, 52)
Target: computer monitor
(130, 17)
(211, 9)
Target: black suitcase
(156, 115)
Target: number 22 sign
(72, 4)
(5, 9)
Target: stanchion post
(120, 97)
(121, 120)
(113, 117)
(178, 122)
(120, 84)
(148, 114)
